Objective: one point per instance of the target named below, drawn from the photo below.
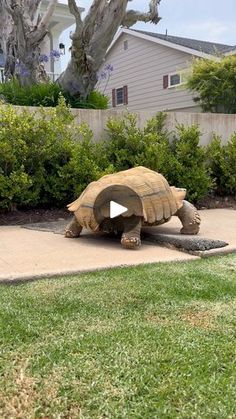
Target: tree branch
(75, 12)
(39, 33)
(8, 7)
(32, 8)
(133, 16)
(96, 10)
(47, 15)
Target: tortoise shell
(159, 200)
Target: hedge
(47, 159)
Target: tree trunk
(92, 38)
(23, 42)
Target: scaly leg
(131, 235)
(189, 217)
(73, 229)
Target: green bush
(222, 161)
(95, 100)
(215, 83)
(182, 162)
(43, 94)
(47, 159)
(47, 95)
(191, 170)
(42, 161)
(128, 146)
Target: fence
(221, 124)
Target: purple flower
(108, 67)
(22, 70)
(55, 54)
(103, 75)
(43, 58)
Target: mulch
(38, 215)
(20, 217)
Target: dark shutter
(165, 81)
(125, 93)
(114, 98)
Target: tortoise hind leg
(73, 229)
(189, 217)
(131, 235)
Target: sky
(208, 20)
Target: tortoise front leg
(73, 229)
(190, 218)
(131, 235)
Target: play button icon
(116, 209)
(113, 205)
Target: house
(148, 70)
(61, 20)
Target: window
(120, 96)
(174, 79)
(126, 45)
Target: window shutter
(165, 81)
(114, 98)
(125, 92)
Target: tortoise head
(181, 192)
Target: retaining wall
(222, 124)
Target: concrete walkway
(27, 254)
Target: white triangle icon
(116, 209)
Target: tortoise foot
(190, 230)
(71, 234)
(73, 230)
(131, 242)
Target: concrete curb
(22, 279)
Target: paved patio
(27, 254)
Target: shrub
(95, 100)
(47, 159)
(41, 160)
(14, 181)
(222, 161)
(47, 95)
(191, 170)
(128, 146)
(43, 94)
(215, 83)
(183, 162)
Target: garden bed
(53, 214)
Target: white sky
(209, 20)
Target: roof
(195, 44)
(202, 49)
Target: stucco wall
(223, 125)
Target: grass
(155, 341)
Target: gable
(144, 54)
(158, 41)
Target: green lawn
(156, 341)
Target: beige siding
(141, 67)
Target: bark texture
(92, 37)
(24, 33)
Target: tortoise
(158, 202)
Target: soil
(38, 215)
(212, 202)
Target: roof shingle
(202, 46)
